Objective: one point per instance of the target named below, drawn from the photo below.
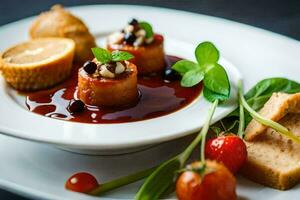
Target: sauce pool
(158, 97)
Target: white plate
(39, 171)
(101, 138)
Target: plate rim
(98, 145)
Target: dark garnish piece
(111, 66)
(171, 75)
(129, 38)
(133, 22)
(82, 182)
(89, 67)
(76, 106)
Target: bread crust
(29, 77)
(60, 23)
(275, 109)
(274, 160)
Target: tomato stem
(205, 128)
(267, 122)
(242, 114)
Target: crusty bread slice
(275, 109)
(274, 160)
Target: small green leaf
(148, 28)
(102, 55)
(212, 96)
(159, 181)
(120, 56)
(192, 77)
(216, 80)
(259, 94)
(206, 52)
(183, 66)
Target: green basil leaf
(268, 86)
(206, 52)
(192, 78)
(183, 66)
(102, 55)
(258, 95)
(216, 80)
(148, 28)
(159, 181)
(211, 96)
(120, 56)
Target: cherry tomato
(82, 182)
(227, 149)
(215, 183)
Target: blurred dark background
(281, 16)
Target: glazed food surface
(157, 98)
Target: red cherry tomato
(217, 183)
(82, 182)
(158, 37)
(229, 150)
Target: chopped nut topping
(106, 73)
(109, 70)
(120, 68)
(131, 35)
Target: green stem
(188, 151)
(121, 181)
(267, 122)
(205, 128)
(142, 174)
(242, 114)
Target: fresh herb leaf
(183, 66)
(216, 80)
(263, 90)
(120, 56)
(148, 28)
(212, 96)
(192, 77)
(159, 181)
(259, 94)
(102, 55)
(265, 121)
(216, 83)
(206, 52)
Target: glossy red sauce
(158, 97)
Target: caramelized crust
(39, 75)
(148, 59)
(60, 23)
(101, 91)
(274, 160)
(275, 109)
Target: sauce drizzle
(158, 97)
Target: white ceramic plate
(39, 171)
(101, 138)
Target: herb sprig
(216, 88)
(104, 56)
(208, 70)
(148, 29)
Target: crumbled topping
(109, 70)
(132, 34)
